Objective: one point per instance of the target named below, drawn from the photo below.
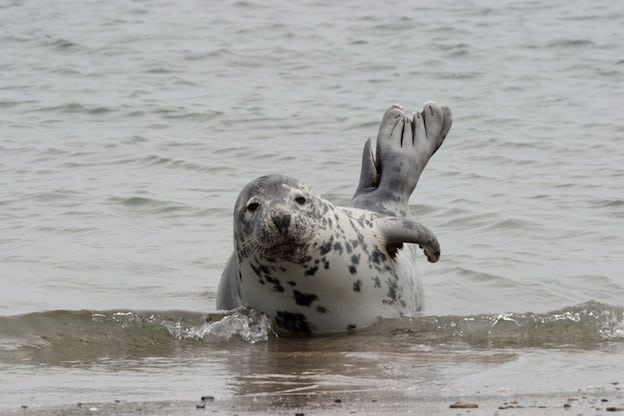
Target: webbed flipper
(394, 231)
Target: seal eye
(300, 200)
(253, 207)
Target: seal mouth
(289, 250)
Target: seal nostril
(281, 222)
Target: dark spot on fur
(377, 281)
(292, 283)
(338, 248)
(277, 285)
(349, 249)
(364, 246)
(326, 264)
(351, 327)
(352, 269)
(311, 271)
(393, 289)
(256, 269)
(357, 286)
(355, 259)
(326, 246)
(240, 276)
(304, 299)
(293, 322)
(377, 256)
(355, 228)
(321, 309)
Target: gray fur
(229, 286)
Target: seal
(316, 268)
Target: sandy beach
(603, 400)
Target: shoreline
(585, 401)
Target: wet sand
(596, 400)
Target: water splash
(251, 326)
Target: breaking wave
(117, 333)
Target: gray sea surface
(128, 128)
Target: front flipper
(228, 292)
(395, 231)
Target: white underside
(334, 288)
(407, 271)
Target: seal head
(276, 217)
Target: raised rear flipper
(404, 146)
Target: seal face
(276, 217)
(313, 267)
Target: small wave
(478, 276)
(159, 70)
(88, 335)
(192, 115)
(75, 108)
(246, 5)
(59, 43)
(607, 203)
(584, 326)
(512, 224)
(570, 43)
(67, 229)
(115, 333)
(155, 160)
(54, 195)
(151, 205)
(470, 221)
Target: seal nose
(281, 222)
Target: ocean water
(128, 129)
